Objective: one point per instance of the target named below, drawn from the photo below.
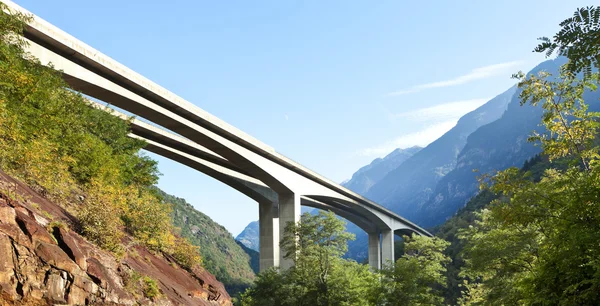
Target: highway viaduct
(191, 136)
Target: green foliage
(321, 236)
(132, 283)
(537, 243)
(254, 259)
(418, 276)
(577, 40)
(320, 275)
(79, 155)
(138, 284)
(148, 219)
(270, 288)
(100, 218)
(186, 254)
(571, 128)
(150, 289)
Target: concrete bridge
(201, 141)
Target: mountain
(411, 184)
(438, 180)
(363, 179)
(496, 146)
(249, 237)
(412, 181)
(222, 256)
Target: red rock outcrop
(41, 266)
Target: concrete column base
(374, 251)
(268, 226)
(387, 247)
(289, 212)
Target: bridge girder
(253, 168)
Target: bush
(148, 219)
(186, 254)
(151, 289)
(100, 217)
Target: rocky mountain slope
(496, 146)
(438, 180)
(411, 184)
(363, 179)
(412, 181)
(44, 262)
(249, 237)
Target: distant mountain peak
(370, 174)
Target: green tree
(418, 276)
(320, 275)
(538, 242)
(578, 40)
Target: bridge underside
(207, 144)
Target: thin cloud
(441, 112)
(475, 74)
(420, 138)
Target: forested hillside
(222, 256)
(467, 216)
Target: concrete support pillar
(387, 247)
(268, 227)
(289, 211)
(374, 251)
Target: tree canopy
(537, 242)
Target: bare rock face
(8, 214)
(56, 266)
(57, 258)
(8, 280)
(32, 228)
(63, 236)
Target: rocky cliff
(250, 237)
(43, 261)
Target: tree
(418, 276)
(537, 243)
(320, 275)
(578, 40)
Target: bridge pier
(289, 211)
(374, 251)
(268, 228)
(387, 247)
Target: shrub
(151, 289)
(100, 217)
(148, 219)
(186, 254)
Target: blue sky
(330, 84)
